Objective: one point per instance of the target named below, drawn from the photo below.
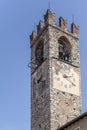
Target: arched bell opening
(39, 53)
(64, 48)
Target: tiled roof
(73, 121)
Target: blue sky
(17, 18)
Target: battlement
(74, 29)
(33, 36)
(63, 23)
(49, 19)
(40, 26)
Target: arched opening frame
(64, 49)
(39, 53)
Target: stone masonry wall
(54, 34)
(40, 88)
(52, 103)
(65, 105)
(40, 93)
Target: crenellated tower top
(49, 19)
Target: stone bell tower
(55, 74)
